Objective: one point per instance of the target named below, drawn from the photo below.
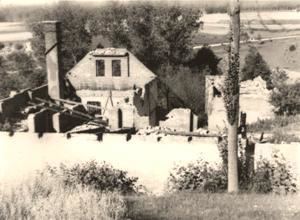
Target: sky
(38, 2)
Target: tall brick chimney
(53, 59)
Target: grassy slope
(276, 53)
(214, 206)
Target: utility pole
(231, 96)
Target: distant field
(14, 31)
(276, 53)
(255, 16)
(275, 21)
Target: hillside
(256, 25)
(279, 53)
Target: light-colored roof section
(109, 52)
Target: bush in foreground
(198, 176)
(274, 176)
(270, 176)
(102, 177)
(47, 197)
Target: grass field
(189, 206)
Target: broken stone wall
(214, 104)
(253, 100)
(41, 121)
(181, 120)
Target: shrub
(2, 45)
(286, 98)
(198, 176)
(19, 46)
(292, 48)
(270, 176)
(279, 77)
(274, 176)
(102, 177)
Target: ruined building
(114, 90)
(115, 80)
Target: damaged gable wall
(133, 72)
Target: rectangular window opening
(100, 68)
(116, 67)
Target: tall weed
(45, 196)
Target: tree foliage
(156, 35)
(286, 99)
(205, 59)
(256, 66)
(75, 37)
(18, 71)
